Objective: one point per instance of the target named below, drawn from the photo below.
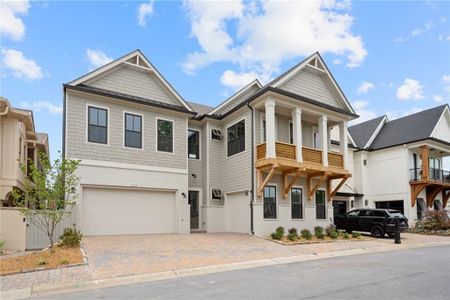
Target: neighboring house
(152, 162)
(400, 162)
(19, 143)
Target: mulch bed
(62, 256)
(315, 240)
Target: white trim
(199, 205)
(383, 121)
(276, 202)
(199, 144)
(245, 135)
(349, 136)
(210, 134)
(237, 94)
(124, 128)
(108, 117)
(262, 119)
(208, 202)
(116, 165)
(173, 135)
(303, 201)
(446, 110)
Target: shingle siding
(77, 147)
(134, 82)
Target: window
(296, 203)
(365, 162)
(291, 133)
(320, 205)
(316, 138)
(270, 202)
(236, 138)
(353, 214)
(165, 136)
(133, 131)
(193, 144)
(217, 194)
(97, 125)
(264, 131)
(216, 134)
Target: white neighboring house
(152, 162)
(399, 164)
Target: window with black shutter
(193, 144)
(236, 138)
(165, 136)
(133, 131)
(97, 125)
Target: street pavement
(420, 273)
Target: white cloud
(446, 81)
(410, 90)
(438, 98)
(418, 31)
(365, 86)
(21, 66)
(444, 37)
(259, 36)
(362, 109)
(144, 10)
(43, 105)
(11, 25)
(235, 80)
(97, 58)
(399, 114)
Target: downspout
(252, 171)
(64, 125)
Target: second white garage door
(118, 211)
(238, 212)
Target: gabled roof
(201, 109)
(362, 132)
(136, 59)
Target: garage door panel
(115, 211)
(238, 210)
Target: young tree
(49, 193)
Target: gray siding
(216, 161)
(135, 82)
(78, 147)
(283, 129)
(312, 86)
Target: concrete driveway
(112, 256)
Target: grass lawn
(41, 259)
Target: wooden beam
(425, 163)
(318, 184)
(432, 193)
(415, 191)
(336, 189)
(445, 197)
(288, 185)
(269, 176)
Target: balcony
(434, 175)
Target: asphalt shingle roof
(201, 109)
(362, 132)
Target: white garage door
(118, 211)
(238, 211)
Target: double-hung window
(320, 205)
(133, 131)
(97, 125)
(270, 202)
(165, 135)
(296, 203)
(193, 144)
(236, 138)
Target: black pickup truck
(376, 221)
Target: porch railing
(434, 174)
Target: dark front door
(339, 208)
(193, 202)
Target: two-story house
(151, 162)
(19, 143)
(399, 164)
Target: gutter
(252, 171)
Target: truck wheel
(377, 232)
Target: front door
(193, 202)
(339, 208)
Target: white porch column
(343, 142)
(270, 128)
(297, 132)
(323, 138)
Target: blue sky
(388, 57)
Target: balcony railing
(310, 155)
(435, 174)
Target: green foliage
(49, 192)
(318, 231)
(433, 221)
(356, 234)
(306, 234)
(280, 230)
(71, 237)
(42, 261)
(334, 235)
(293, 231)
(331, 228)
(345, 236)
(2, 244)
(276, 235)
(64, 261)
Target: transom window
(296, 203)
(320, 205)
(193, 144)
(165, 136)
(97, 125)
(133, 131)
(270, 202)
(236, 138)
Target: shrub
(71, 237)
(292, 237)
(330, 229)
(306, 234)
(293, 231)
(280, 230)
(42, 261)
(276, 235)
(356, 234)
(318, 231)
(345, 236)
(334, 235)
(2, 244)
(64, 261)
(433, 221)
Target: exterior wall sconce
(184, 195)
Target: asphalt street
(422, 273)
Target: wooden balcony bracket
(432, 192)
(343, 178)
(263, 182)
(415, 191)
(445, 197)
(288, 184)
(312, 189)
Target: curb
(179, 273)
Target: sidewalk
(80, 278)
